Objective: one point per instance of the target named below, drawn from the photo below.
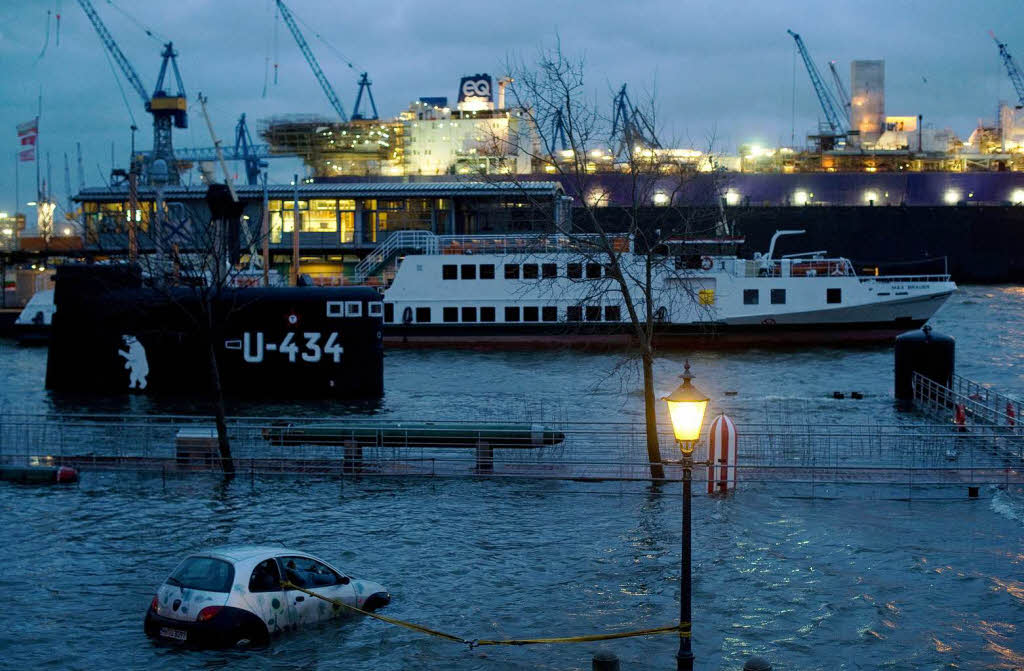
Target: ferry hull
(618, 336)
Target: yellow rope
(511, 641)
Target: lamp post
(686, 407)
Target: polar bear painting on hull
(135, 362)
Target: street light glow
(800, 197)
(951, 197)
(686, 407)
(1017, 197)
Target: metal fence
(902, 455)
(980, 404)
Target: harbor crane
(630, 125)
(364, 84)
(829, 106)
(167, 109)
(1011, 69)
(844, 97)
(332, 97)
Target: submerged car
(229, 596)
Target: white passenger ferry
(537, 290)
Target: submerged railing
(901, 455)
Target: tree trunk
(650, 416)
(227, 464)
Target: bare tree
(569, 135)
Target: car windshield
(204, 573)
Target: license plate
(176, 634)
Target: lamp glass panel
(687, 417)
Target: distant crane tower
(289, 20)
(167, 109)
(630, 126)
(1011, 69)
(364, 84)
(246, 150)
(559, 140)
(828, 105)
(844, 97)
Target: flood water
(845, 583)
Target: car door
(317, 577)
(266, 598)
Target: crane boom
(844, 97)
(828, 104)
(1011, 69)
(115, 51)
(289, 20)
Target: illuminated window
(706, 296)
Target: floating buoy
(960, 417)
(38, 474)
(1011, 416)
(722, 453)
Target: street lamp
(686, 407)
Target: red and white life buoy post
(722, 453)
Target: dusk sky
(725, 68)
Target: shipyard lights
(1017, 197)
(870, 197)
(660, 198)
(732, 197)
(801, 197)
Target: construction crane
(289, 20)
(828, 105)
(630, 126)
(1011, 69)
(364, 84)
(559, 139)
(167, 109)
(844, 97)
(245, 148)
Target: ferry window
(706, 296)
(593, 313)
(511, 271)
(574, 271)
(574, 313)
(469, 272)
(833, 295)
(423, 314)
(549, 313)
(487, 271)
(512, 314)
(389, 312)
(449, 272)
(450, 314)
(778, 296)
(469, 314)
(549, 270)
(593, 271)
(530, 271)
(612, 313)
(487, 314)
(530, 314)
(751, 296)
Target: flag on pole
(28, 132)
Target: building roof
(341, 189)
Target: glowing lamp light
(67, 231)
(660, 198)
(870, 196)
(1017, 197)
(801, 197)
(951, 197)
(686, 407)
(732, 197)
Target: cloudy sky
(724, 68)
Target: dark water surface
(851, 583)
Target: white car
(232, 595)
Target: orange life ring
(706, 263)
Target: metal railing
(394, 244)
(980, 404)
(888, 279)
(900, 455)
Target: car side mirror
(344, 580)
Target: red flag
(29, 140)
(29, 127)
(27, 155)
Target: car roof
(236, 553)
